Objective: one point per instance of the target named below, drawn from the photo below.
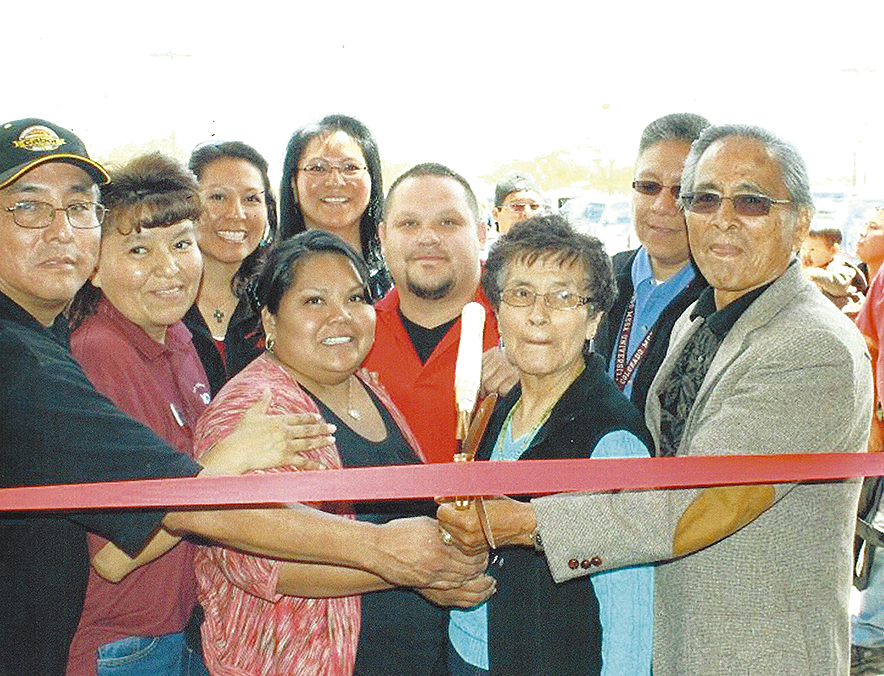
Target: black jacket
(535, 626)
(243, 342)
(605, 343)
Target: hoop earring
(269, 344)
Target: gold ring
(446, 537)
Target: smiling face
(325, 325)
(152, 276)
(542, 342)
(330, 200)
(740, 253)
(42, 268)
(234, 216)
(431, 239)
(659, 223)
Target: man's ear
(382, 237)
(481, 231)
(801, 227)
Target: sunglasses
(744, 205)
(654, 188)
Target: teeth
(337, 340)
(232, 235)
(335, 200)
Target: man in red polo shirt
(431, 238)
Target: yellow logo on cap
(39, 138)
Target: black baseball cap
(28, 143)
(513, 183)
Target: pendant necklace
(352, 411)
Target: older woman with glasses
(549, 287)
(331, 180)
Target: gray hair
(674, 127)
(791, 164)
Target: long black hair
(291, 219)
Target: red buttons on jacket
(594, 562)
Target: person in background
(331, 180)
(870, 246)
(516, 197)
(239, 213)
(837, 278)
(657, 281)
(267, 616)
(867, 625)
(753, 578)
(549, 287)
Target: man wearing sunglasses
(516, 198)
(751, 579)
(657, 281)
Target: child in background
(833, 273)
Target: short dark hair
(831, 234)
(206, 153)
(150, 191)
(291, 219)
(673, 127)
(550, 236)
(285, 257)
(441, 171)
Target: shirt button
(596, 561)
(573, 564)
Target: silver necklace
(352, 411)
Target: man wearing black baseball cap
(55, 428)
(516, 197)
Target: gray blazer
(793, 375)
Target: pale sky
(463, 83)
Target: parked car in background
(608, 217)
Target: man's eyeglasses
(557, 300)
(744, 205)
(80, 215)
(322, 169)
(522, 207)
(653, 188)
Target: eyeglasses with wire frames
(563, 299)
(523, 207)
(323, 169)
(748, 204)
(653, 188)
(35, 215)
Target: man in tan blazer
(752, 579)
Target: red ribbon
(526, 477)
